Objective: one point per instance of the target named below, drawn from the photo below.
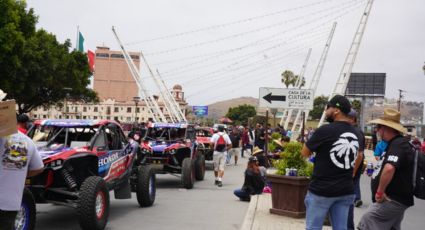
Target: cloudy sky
(224, 49)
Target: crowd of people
(338, 149)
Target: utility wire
(208, 74)
(244, 33)
(229, 23)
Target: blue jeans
(319, 206)
(243, 195)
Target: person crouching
(253, 183)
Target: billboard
(200, 110)
(366, 84)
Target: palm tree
(288, 78)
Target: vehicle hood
(160, 146)
(203, 139)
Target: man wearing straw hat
(392, 178)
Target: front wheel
(93, 204)
(25, 220)
(188, 173)
(200, 167)
(146, 186)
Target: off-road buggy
(172, 148)
(203, 139)
(83, 161)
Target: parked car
(83, 161)
(172, 148)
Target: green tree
(288, 78)
(34, 66)
(302, 81)
(240, 114)
(319, 105)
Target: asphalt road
(205, 207)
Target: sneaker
(219, 184)
(358, 203)
(216, 182)
(227, 164)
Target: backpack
(419, 174)
(220, 145)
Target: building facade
(116, 89)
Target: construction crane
(316, 76)
(167, 105)
(173, 103)
(341, 84)
(296, 85)
(151, 104)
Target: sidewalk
(258, 216)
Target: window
(94, 117)
(102, 55)
(78, 117)
(108, 118)
(128, 118)
(95, 109)
(44, 109)
(137, 110)
(84, 117)
(116, 109)
(67, 109)
(76, 109)
(60, 116)
(135, 57)
(143, 108)
(116, 118)
(117, 56)
(35, 116)
(128, 109)
(44, 116)
(84, 109)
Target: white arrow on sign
(286, 98)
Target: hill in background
(219, 109)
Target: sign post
(286, 98)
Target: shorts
(219, 159)
(234, 151)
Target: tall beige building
(112, 77)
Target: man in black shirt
(392, 179)
(331, 188)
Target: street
(205, 206)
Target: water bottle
(287, 172)
(369, 169)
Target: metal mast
(317, 74)
(158, 84)
(297, 85)
(173, 103)
(151, 104)
(341, 84)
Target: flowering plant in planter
(292, 158)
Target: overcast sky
(225, 49)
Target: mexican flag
(90, 55)
(80, 42)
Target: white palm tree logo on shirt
(342, 148)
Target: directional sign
(286, 98)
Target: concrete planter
(288, 193)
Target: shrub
(292, 158)
(271, 145)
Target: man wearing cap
(392, 178)
(219, 157)
(331, 189)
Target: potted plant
(288, 192)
